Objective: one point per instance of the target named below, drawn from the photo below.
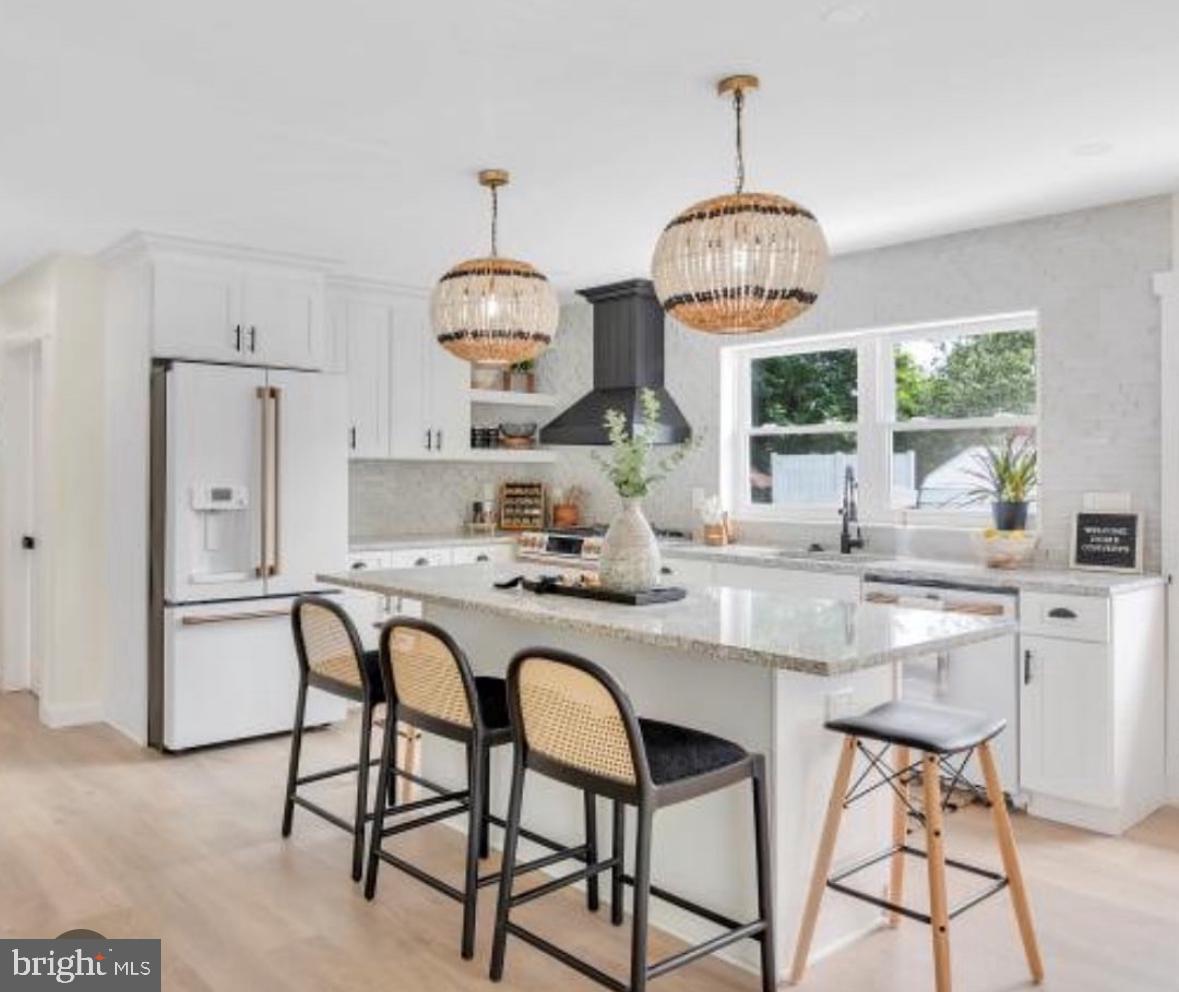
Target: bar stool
(941, 734)
(331, 659)
(573, 723)
(429, 679)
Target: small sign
(1109, 542)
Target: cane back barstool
(430, 681)
(573, 723)
(947, 738)
(331, 659)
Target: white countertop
(1067, 581)
(725, 623)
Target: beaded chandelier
(743, 262)
(494, 310)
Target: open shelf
(505, 397)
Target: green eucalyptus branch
(631, 466)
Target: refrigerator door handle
(264, 504)
(274, 565)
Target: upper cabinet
(410, 399)
(221, 304)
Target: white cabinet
(209, 303)
(429, 401)
(1091, 707)
(1065, 702)
(367, 329)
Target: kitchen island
(754, 666)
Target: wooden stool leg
(288, 809)
(900, 820)
(810, 914)
(1006, 839)
(936, 852)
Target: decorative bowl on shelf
(519, 431)
(1005, 548)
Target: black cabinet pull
(429, 440)
(1027, 667)
(253, 338)
(1062, 613)
(482, 558)
(352, 437)
(28, 542)
(438, 439)
(421, 561)
(357, 565)
(237, 337)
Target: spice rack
(521, 506)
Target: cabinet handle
(352, 437)
(253, 338)
(237, 337)
(429, 440)
(482, 558)
(357, 565)
(438, 440)
(1062, 613)
(1027, 667)
(421, 561)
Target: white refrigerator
(249, 500)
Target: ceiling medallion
(742, 262)
(494, 310)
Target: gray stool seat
(926, 726)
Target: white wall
(63, 297)
(1088, 274)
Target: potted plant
(522, 377)
(1006, 475)
(629, 559)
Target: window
(908, 410)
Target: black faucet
(850, 514)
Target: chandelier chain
(739, 108)
(494, 221)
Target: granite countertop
(440, 539)
(1033, 579)
(724, 623)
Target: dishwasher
(983, 677)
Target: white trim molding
(56, 715)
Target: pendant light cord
(739, 107)
(494, 221)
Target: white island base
(702, 849)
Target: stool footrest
(326, 814)
(688, 906)
(567, 959)
(835, 883)
(421, 821)
(697, 951)
(523, 868)
(333, 772)
(559, 883)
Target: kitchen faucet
(850, 514)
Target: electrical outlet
(841, 703)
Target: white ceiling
(353, 128)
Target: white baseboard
(70, 714)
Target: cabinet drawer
(419, 557)
(1080, 618)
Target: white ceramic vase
(629, 560)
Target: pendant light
(743, 262)
(494, 310)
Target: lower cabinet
(1092, 698)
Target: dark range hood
(628, 358)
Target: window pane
(800, 468)
(791, 390)
(934, 469)
(980, 375)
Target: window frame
(876, 423)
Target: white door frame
(23, 662)
(1166, 287)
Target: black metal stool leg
(476, 755)
(619, 854)
(507, 871)
(591, 850)
(765, 891)
(288, 811)
(386, 793)
(642, 896)
(366, 733)
(485, 823)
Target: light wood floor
(97, 833)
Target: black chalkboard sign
(1107, 541)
